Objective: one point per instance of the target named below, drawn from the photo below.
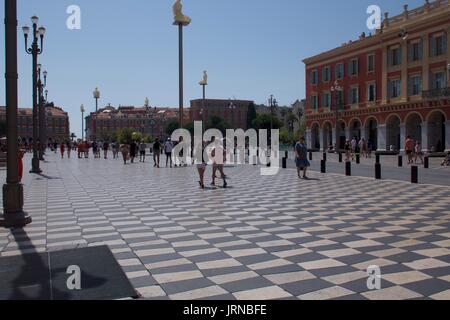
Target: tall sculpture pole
(181, 21)
(13, 214)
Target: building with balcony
(151, 121)
(57, 123)
(233, 112)
(386, 86)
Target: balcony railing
(436, 94)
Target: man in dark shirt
(156, 152)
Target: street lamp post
(82, 109)
(272, 105)
(203, 83)
(35, 50)
(42, 115)
(13, 214)
(96, 95)
(337, 88)
(181, 21)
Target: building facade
(151, 121)
(385, 87)
(57, 123)
(233, 112)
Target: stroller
(446, 161)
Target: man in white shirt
(168, 147)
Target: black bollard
(414, 174)
(286, 154)
(358, 158)
(377, 160)
(310, 156)
(378, 171)
(323, 168)
(255, 160)
(284, 163)
(348, 168)
(340, 157)
(325, 156)
(426, 162)
(400, 161)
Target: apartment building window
(340, 71)
(371, 92)
(326, 100)
(438, 45)
(326, 74)
(353, 95)
(314, 102)
(314, 77)
(415, 51)
(395, 88)
(395, 57)
(353, 67)
(415, 85)
(371, 63)
(438, 80)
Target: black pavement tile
(311, 256)
(223, 271)
(186, 285)
(281, 269)
(326, 272)
(246, 284)
(306, 286)
(428, 287)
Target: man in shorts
(409, 147)
(217, 154)
(168, 147)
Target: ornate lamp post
(82, 109)
(96, 95)
(13, 214)
(181, 21)
(35, 50)
(337, 88)
(42, 115)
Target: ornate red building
(390, 85)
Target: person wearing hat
(168, 147)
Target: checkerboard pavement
(265, 237)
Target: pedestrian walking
(409, 148)
(168, 147)
(69, 148)
(20, 163)
(142, 148)
(105, 149)
(201, 167)
(363, 147)
(156, 152)
(124, 150)
(133, 151)
(418, 152)
(354, 145)
(62, 148)
(218, 156)
(347, 149)
(115, 149)
(301, 158)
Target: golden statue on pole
(179, 17)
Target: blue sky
(129, 48)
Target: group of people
(413, 150)
(353, 147)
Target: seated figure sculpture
(204, 82)
(178, 14)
